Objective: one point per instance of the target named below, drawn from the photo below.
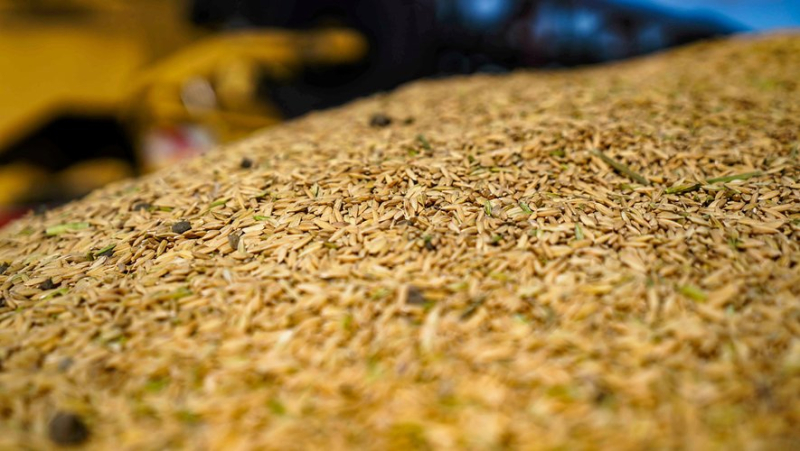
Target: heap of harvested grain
(606, 257)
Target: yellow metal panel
(78, 56)
(44, 71)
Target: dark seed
(429, 246)
(181, 227)
(233, 240)
(473, 307)
(601, 396)
(246, 163)
(2, 302)
(65, 363)
(3, 268)
(763, 391)
(47, 285)
(40, 210)
(414, 296)
(67, 428)
(380, 120)
(141, 206)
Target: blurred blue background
(757, 15)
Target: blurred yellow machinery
(143, 63)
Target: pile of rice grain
(607, 257)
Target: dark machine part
(68, 139)
(401, 34)
(422, 38)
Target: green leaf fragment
(730, 178)
(579, 232)
(68, 227)
(60, 292)
(156, 385)
(106, 251)
(682, 189)
(458, 286)
(693, 293)
(521, 319)
(500, 276)
(276, 407)
(180, 293)
(378, 294)
(187, 416)
(260, 218)
(621, 168)
(218, 203)
(347, 323)
(424, 142)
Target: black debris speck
(473, 307)
(141, 206)
(181, 227)
(380, 120)
(47, 285)
(65, 363)
(429, 245)
(601, 395)
(246, 163)
(67, 428)
(3, 268)
(414, 296)
(233, 240)
(40, 210)
(2, 302)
